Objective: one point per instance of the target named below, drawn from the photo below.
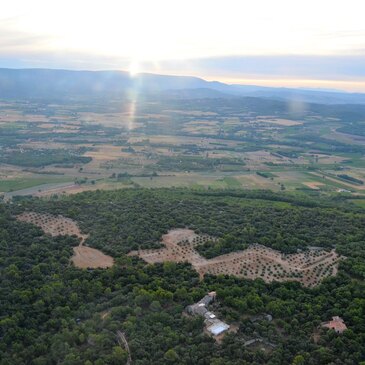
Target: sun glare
(134, 69)
(142, 36)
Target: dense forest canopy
(54, 313)
(120, 221)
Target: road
(123, 342)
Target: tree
(119, 356)
(298, 360)
(171, 356)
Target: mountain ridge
(63, 83)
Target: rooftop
(218, 327)
(213, 325)
(336, 324)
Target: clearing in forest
(84, 257)
(257, 261)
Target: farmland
(254, 262)
(84, 257)
(201, 144)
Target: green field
(359, 202)
(19, 184)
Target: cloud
(15, 41)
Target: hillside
(66, 84)
(53, 312)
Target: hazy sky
(317, 43)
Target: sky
(295, 43)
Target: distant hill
(40, 83)
(56, 84)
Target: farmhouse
(337, 324)
(201, 306)
(213, 325)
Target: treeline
(42, 157)
(322, 144)
(195, 163)
(265, 174)
(351, 179)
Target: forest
(43, 157)
(54, 313)
(121, 221)
(354, 128)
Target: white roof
(209, 315)
(218, 328)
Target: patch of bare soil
(316, 336)
(84, 257)
(280, 121)
(313, 185)
(257, 261)
(69, 189)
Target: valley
(119, 212)
(196, 143)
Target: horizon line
(257, 82)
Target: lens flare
(131, 113)
(134, 69)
